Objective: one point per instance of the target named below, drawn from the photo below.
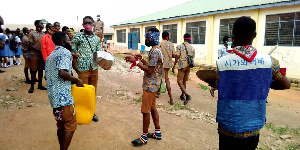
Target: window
(197, 31)
(226, 28)
(172, 29)
(136, 30)
(121, 36)
(149, 27)
(283, 29)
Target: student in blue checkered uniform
(58, 74)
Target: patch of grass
(261, 148)
(292, 146)
(178, 106)
(283, 130)
(138, 100)
(296, 131)
(277, 130)
(203, 87)
(171, 73)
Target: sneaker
(1, 71)
(188, 98)
(95, 118)
(182, 97)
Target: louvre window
(172, 29)
(226, 28)
(283, 29)
(197, 31)
(136, 30)
(149, 27)
(121, 36)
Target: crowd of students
(243, 87)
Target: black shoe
(1, 71)
(42, 88)
(28, 81)
(95, 118)
(30, 90)
(182, 97)
(188, 98)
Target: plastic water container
(143, 47)
(85, 103)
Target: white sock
(2, 65)
(11, 61)
(19, 61)
(5, 65)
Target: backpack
(13, 45)
(2, 44)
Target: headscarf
(154, 36)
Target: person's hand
(173, 69)
(79, 83)
(130, 59)
(138, 56)
(75, 55)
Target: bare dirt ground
(27, 122)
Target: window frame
(229, 26)
(121, 31)
(199, 31)
(279, 24)
(171, 32)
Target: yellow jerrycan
(85, 103)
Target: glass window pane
(195, 36)
(224, 22)
(297, 16)
(223, 32)
(202, 23)
(202, 35)
(272, 18)
(287, 17)
(172, 29)
(232, 20)
(297, 34)
(271, 36)
(286, 33)
(188, 25)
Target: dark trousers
(231, 143)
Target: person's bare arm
(281, 84)
(145, 68)
(176, 60)
(66, 76)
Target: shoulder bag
(189, 58)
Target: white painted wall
(288, 56)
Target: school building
(208, 21)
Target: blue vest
(242, 92)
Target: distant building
(208, 21)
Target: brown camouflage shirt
(167, 49)
(181, 52)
